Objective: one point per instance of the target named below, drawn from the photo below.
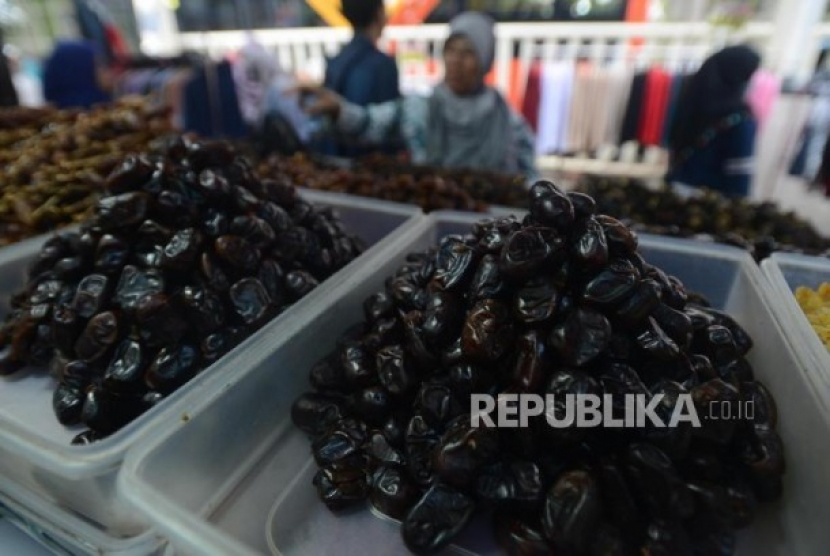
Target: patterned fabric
(406, 119)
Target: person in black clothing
(361, 73)
(713, 140)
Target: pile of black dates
(560, 303)
(760, 228)
(188, 255)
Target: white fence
(418, 49)
(671, 44)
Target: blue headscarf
(69, 77)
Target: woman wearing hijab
(72, 77)
(713, 141)
(464, 124)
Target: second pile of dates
(390, 179)
(188, 255)
(559, 304)
(760, 228)
(53, 163)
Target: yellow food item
(816, 305)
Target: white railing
(418, 50)
(303, 51)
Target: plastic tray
(235, 479)
(785, 273)
(35, 450)
(64, 532)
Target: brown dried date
(551, 207)
(136, 284)
(131, 174)
(126, 370)
(316, 413)
(68, 402)
(91, 296)
(99, 336)
(393, 492)
(528, 251)
(536, 301)
(250, 301)
(519, 538)
(582, 337)
(119, 211)
(436, 519)
(237, 253)
(112, 254)
(172, 367)
(572, 510)
(454, 263)
(488, 332)
(487, 281)
(342, 484)
(589, 244)
(182, 250)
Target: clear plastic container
(499, 211)
(236, 478)
(785, 273)
(35, 450)
(66, 533)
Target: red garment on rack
(655, 106)
(533, 96)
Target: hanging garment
(602, 102)
(658, 85)
(93, 28)
(764, 90)
(634, 109)
(554, 109)
(620, 91)
(116, 42)
(579, 119)
(532, 98)
(678, 82)
(547, 131)
(566, 96)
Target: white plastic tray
(785, 273)
(63, 532)
(35, 451)
(235, 479)
(19, 543)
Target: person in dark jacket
(73, 77)
(713, 140)
(361, 73)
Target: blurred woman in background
(464, 124)
(713, 140)
(74, 78)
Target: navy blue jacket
(363, 75)
(723, 164)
